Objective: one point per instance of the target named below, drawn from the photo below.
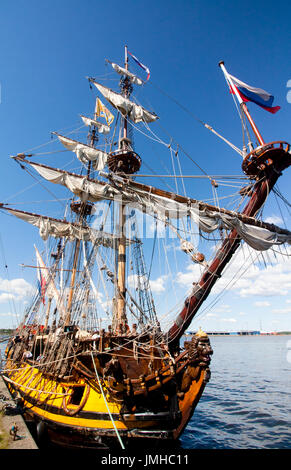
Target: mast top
(124, 160)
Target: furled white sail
(79, 185)
(58, 228)
(85, 153)
(122, 71)
(207, 220)
(53, 227)
(259, 238)
(127, 108)
(102, 128)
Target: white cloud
(282, 310)
(157, 285)
(273, 219)
(192, 274)
(134, 279)
(5, 297)
(230, 320)
(248, 275)
(263, 303)
(257, 279)
(223, 308)
(8, 314)
(16, 288)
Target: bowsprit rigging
(97, 359)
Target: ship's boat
(93, 362)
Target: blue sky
(48, 48)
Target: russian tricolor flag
(256, 95)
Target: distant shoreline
(242, 333)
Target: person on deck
(13, 431)
(95, 336)
(27, 355)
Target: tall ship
(96, 361)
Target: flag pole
(126, 57)
(242, 103)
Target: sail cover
(127, 108)
(122, 71)
(85, 153)
(102, 128)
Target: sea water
(246, 404)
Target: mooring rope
(101, 388)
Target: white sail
(207, 220)
(52, 227)
(127, 108)
(79, 185)
(259, 238)
(58, 228)
(122, 71)
(102, 128)
(85, 153)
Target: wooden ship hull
(70, 404)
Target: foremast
(82, 210)
(265, 164)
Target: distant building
(233, 333)
(254, 332)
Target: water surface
(246, 404)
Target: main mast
(119, 317)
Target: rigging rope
(10, 295)
(207, 126)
